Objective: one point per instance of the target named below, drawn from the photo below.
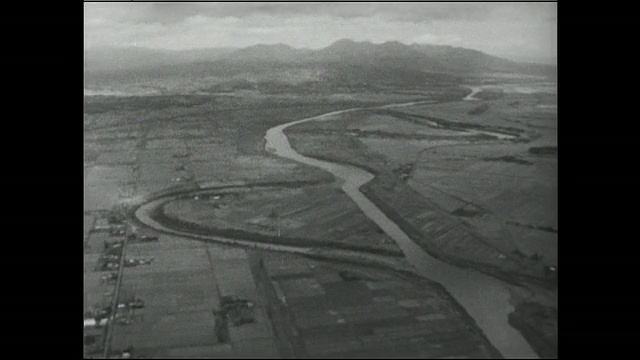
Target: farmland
(473, 183)
(490, 196)
(350, 311)
(319, 216)
(133, 150)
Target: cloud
(492, 27)
(167, 13)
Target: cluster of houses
(99, 317)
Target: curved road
(485, 298)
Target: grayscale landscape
(320, 180)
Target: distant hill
(345, 62)
(366, 52)
(465, 60)
(269, 53)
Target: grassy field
(319, 216)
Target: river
(485, 298)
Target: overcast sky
(521, 31)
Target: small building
(92, 323)
(551, 273)
(101, 224)
(141, 235)
(117, 230)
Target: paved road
(116, 295)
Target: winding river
(485, 298)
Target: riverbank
(466, 291)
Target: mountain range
(345, 61)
